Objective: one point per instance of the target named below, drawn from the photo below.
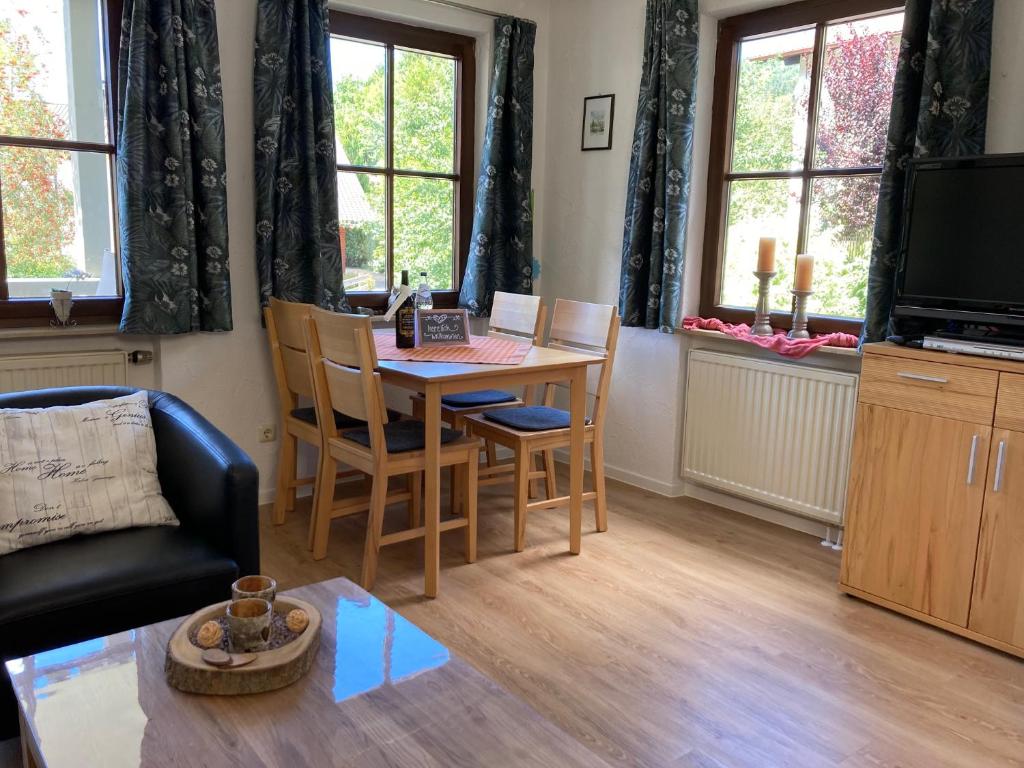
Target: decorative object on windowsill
(598, 122)
(764, 273)
(779, 342)
(61, 302)
(801, 291)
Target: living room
(677, 606)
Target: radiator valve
(140, 356)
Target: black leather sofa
(87, 586)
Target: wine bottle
(405, 318)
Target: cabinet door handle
(922, 377)
(973, 460)
(1000, 466)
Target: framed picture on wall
(598, 122)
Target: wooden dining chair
(285, 330)
(577, 327)
(516, 317)
(345, 379)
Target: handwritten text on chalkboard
(442, 327)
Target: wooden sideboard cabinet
(935, 505)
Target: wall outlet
(268, 433)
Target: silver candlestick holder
(800, 315)
(762, 314)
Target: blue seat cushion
(533, 418)
(481, 397)
(341, 421)
(401, 436)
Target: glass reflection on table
(375, 646)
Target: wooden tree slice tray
(273, 669)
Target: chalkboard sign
(442, 328)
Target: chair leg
(468, 492)
(459, 425)
(286, 474)
(550, 480)
(597, 472)
(457, 478)
(374, 530)
(519, 500)
(492, 453)
(320, 522)
(535, 484)
(416, 502)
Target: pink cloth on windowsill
(780, 343)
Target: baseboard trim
(753, 509)
(671, 490)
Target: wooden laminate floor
(691, 636)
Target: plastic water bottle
(424, 299)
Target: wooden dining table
(437, 379)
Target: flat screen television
(962, 253)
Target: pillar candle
(766, 254)
(804, 272)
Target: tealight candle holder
(762, 315)
(800, 315)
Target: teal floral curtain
(657, 194)
(298, 251)
(171, 190)
(939, 109)
(501, 249)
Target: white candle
(766, 254)
(804, 272)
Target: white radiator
(63, 370)
(773, 433)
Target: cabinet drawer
(936, 389)
(1010, 403)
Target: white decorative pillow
(77, 469)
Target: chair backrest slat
(296, 371)
(344, 359)
(339, 337)
(289, 317)
(581, 324)
(516, 315)
(346, 389)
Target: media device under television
(405, 318)
(960, 274)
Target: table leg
(432, 490)
(577, 417)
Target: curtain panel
(657, 193)
(501, 247)
(171, 191)
(939, 109)
(298, 250)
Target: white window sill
(49, 332)
(719, 336)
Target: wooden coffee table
(381, 692)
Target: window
(57, 209)
(403, 99)
(801, 109)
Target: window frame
(31, 312)
(462, 49)
(731, 32)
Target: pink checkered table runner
(482, 349)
